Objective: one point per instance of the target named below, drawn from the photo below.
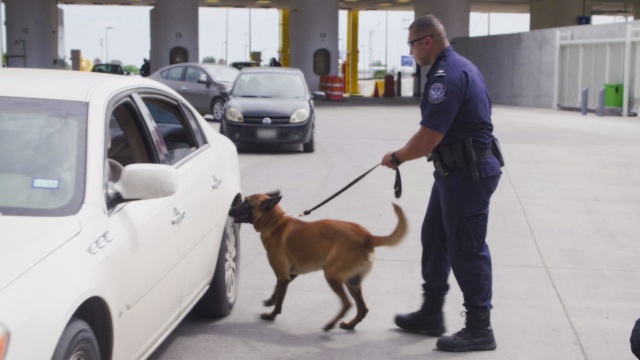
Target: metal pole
(584, 103)
(226, 40)
(2, 64)
(386, 31)
(106, 43)
(249, 33)
(627, 73)
(556, 71)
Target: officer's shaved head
(429, 25)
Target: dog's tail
(398, 233)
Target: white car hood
(24, 241)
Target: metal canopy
(610, 7)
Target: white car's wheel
(223, 291)
(78, 342)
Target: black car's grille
(260, 120)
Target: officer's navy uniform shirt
(456, 103)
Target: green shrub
(379, 74)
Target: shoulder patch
(437, 93)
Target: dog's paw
(268, 316)
(328, 327)
(344, 325)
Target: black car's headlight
(234, 115)
(299, 115)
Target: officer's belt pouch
(454, 156)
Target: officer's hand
(386, 161)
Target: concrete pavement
(564, 232)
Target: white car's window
(42, 156)
(176, 131)
(129, 141)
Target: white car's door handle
(184, 88)
(180, 214)
(216, 182)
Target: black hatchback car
(270, 105)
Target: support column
(351, 75)
(313, 31)
(2, 63)
(454, 15)
(32, 27)
(285, 41)
(547, 14)
(636, 12)
(174, 33)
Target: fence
(592, 63)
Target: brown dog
(343, 250)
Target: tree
(377, 63)
(131, 69)
(209, 60)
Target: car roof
(266, 69)
(64, 84)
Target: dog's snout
(241, 212)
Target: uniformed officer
(456, 134)
(635, 339)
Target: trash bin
(613, 95)
(389, 86)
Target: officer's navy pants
(453, 237)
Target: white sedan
(114, 194)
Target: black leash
(397, 188)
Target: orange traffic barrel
(336, 88)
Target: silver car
(205, 86)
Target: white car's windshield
(42, 156)
(270, 85)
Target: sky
(382, 34)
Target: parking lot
(563, 231)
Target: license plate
(266, 133)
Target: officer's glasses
(410, 43)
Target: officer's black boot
(476, 335)
(429, 319)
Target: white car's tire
(77, 342)
(223, 291)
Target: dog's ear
(273, 193)
(270, 203)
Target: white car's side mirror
(147, 181)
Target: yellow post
(352, 54)
(285, 42)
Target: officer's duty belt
(458, 155)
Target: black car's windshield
(42, 156)
(270, 85)
(108, 68)
(223, 73)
